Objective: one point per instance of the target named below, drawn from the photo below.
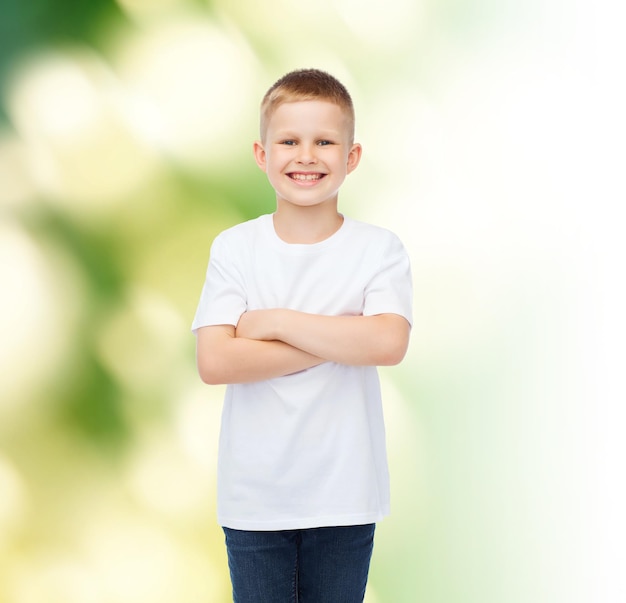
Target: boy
(298, 309)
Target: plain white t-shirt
(308, 449)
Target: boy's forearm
(224, 359)
(354, 340)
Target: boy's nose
(306, 154)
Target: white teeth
(306, 176)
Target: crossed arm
(277, 342)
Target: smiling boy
(298, 309)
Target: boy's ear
(354, 156)
(259, 154)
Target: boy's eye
(289, 142)
(323, 143)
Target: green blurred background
(493, 145)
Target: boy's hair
(303, 85)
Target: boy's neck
(306, 225)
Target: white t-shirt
(308, 449)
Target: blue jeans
(316, 565)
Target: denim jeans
(316, 565)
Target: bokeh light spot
(70, 111)
(198, 80)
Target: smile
(306, 176)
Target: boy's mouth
(306, 176)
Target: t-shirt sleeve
(223, 298)
(390, 290)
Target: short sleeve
(390, 289)
(223, 298)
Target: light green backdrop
(493, 145)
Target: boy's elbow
(393, 355)
(211, 371)
(210, 378)
(211, 354)
(394, 348)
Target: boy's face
(307, 152)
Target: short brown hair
(303, 85)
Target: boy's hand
(257, 324)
